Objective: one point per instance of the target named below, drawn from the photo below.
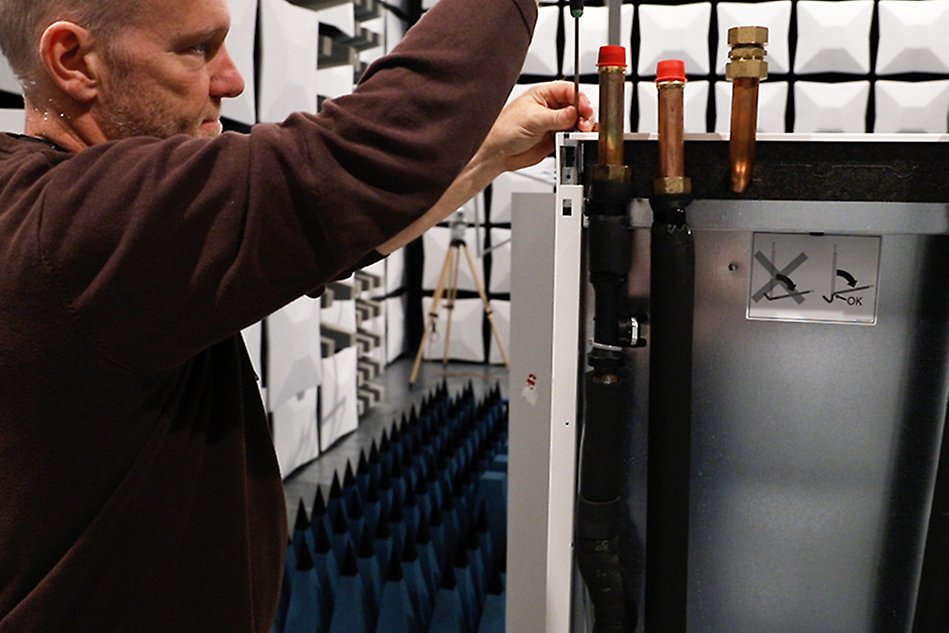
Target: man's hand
(522, 135)
(524, 132)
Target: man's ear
(71, 62)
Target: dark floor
(302, 483)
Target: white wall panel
(8, 81)
(395, 271)
(288, 60)
(338, 400)
(502, 319)
(694, 106)
(465, 341)
(12, 120)
(833, 36)
(295, 435)
(921, 106)
(674, 32)
(592, 91)
(914, 37)
(772, 106)
(527, 181)
(293, 351)
(822, 107)
(395, 327)
(594, 33)
(436, 242)
(774, 15)
(500, 282)
(542, 55)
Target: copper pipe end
(612, 70)
(745, 69)
(670, 84)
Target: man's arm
(522, 136)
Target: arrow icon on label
(851, 281)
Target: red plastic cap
(612, 56)
(670, 70)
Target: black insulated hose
(670, 419)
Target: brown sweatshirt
(139, 490)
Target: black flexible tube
(670, 412)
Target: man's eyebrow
(211, 33)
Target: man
(138, 486)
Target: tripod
(448, 282)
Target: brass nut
(755, 35)
(750, 68)
(747, 52)
(672, 185)
(611, 172)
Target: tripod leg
(452, 295)
(488, 310)
(432, 317)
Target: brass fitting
(612, 172)
(747, 54)
(745, 69)
(672, 185)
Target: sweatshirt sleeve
(161, 248)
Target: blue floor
(400, 527)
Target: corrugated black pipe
(605, 412)
(598, 507)
(670, 418)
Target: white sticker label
(817, 278)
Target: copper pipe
(746, 68)
(741, 148)
(612, 69)
(670, 83)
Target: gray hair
(22, 23)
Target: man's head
(97, 70)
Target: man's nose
(226, 80)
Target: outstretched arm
(522, 136)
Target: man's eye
(200, 49)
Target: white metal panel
(674, 32)
(542, 469)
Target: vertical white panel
(395, 328)
(288, 60)
(12, 120)
(293, 350)
(338, 399)
(8, 81)
(542, 55)
(295, 435)
(395, 271)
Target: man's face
(169, 72)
